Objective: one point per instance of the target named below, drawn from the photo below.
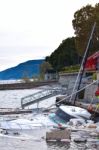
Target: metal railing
(39, 96)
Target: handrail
(36, 97)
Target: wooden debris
(92, 126)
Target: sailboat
(67, 112)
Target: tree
(82, 24)
(26, 77)
(44, 67)
(64, 55)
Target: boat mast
(81, 70)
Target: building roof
(92, 63)
(94, 56)
(50, 71)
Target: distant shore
(27, 85)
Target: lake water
(33, 139)
(30, 139)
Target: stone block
(58, 135)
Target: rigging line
(72, 94)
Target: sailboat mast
(80, 74)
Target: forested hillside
(71, 50)
(64, 55)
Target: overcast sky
(33, 29)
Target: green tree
(44, 67)
(82, 24)
(64, 55)
(26, 77)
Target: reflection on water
(58, 145)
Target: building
(51, 74)
(92, 63)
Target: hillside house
(51, 74)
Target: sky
(33, 29)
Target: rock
(93, 134)
(42, 137)
(97, 130)
(93, 140)
(16, 133)
(4, 131)
(93, 145)
(78, 140)
(58, 135)
(91, 126)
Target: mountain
(26, 69)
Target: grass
(70, 69)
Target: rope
(72, 94)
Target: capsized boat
(37, 121)
(65, 113)
(60, 117)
